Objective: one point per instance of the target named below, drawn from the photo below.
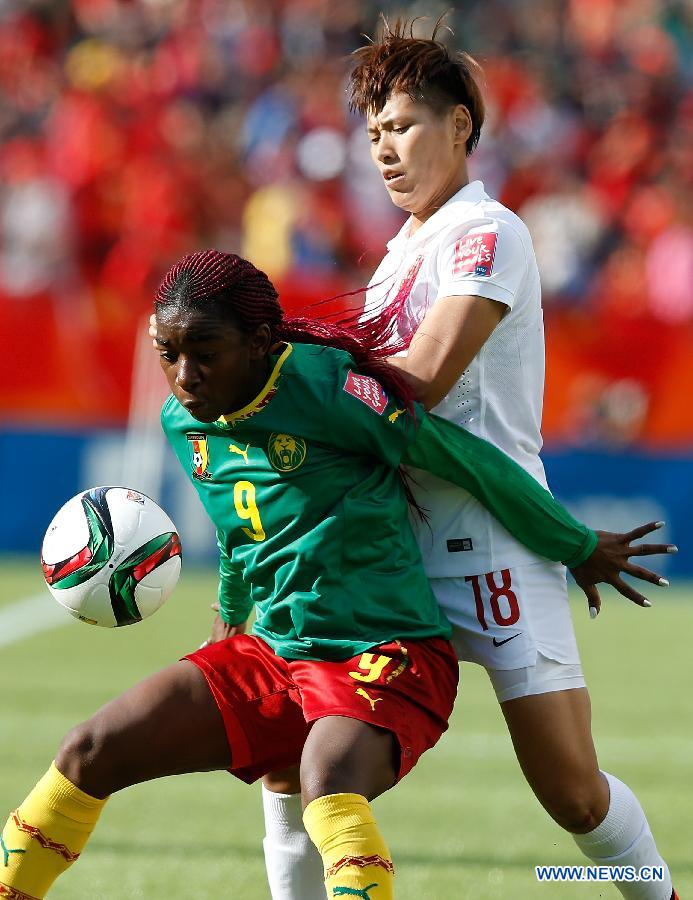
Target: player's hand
(220, 630)
(152, 328)
(610, 560)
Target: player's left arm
(519, 502)
(611, 558)
(360, 418)
(447, 340)
(529, 511)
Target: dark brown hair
(423, 68)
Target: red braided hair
(235, 288)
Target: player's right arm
(445, 343)
(235, 602)
(469, 304)
(233, 596)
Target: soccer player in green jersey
(294, 448)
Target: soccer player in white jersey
(460, 282)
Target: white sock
(294, 866)
(624, 839)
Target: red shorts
(268, 703)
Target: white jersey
(474, 246)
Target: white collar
(451, 211)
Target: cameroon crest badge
(286, 452)
(199, 456)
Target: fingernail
(594, 612)
(663, 582)
(672, 548)
(660, 524)
(646, 603)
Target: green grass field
(463, 825)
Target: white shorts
(517, 624)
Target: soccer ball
(111, 556)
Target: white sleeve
(488, 260)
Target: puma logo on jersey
(244, 453)
(363, 693)
(393, 416)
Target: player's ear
(260, 342)
(463, 123)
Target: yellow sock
(354, 855)
(45, 836)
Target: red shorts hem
(407, 761)
(268, 704)
(235, 733)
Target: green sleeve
(235, 602)
(511, 495)
(358, 420)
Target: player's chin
(203, 412)
(402, 199)
(396, 195)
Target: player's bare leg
(346, 755)
(552, 737)
(345, 763)
(286, 781)
(166, 725)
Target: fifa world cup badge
(199, 456)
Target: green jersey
(311, 514)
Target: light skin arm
(447, 340)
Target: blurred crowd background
(134, 132)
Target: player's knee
(363, 761)
(82, 758)
(578, 808)
(322, 775)
(286, 781)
